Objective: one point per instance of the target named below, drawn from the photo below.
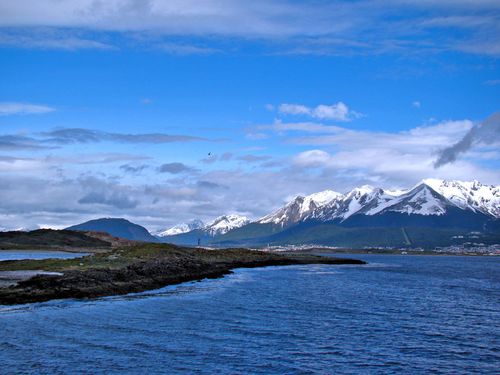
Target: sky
(166, 111)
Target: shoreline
(88, 250)
(320, 250)
(389, 252)
(139, 269)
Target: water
(37, 254)
(8, 278)
(399, 314)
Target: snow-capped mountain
(430, 197)
(469, 194)
(432, 213)
(224, 224)
(421, 200)
(182, 228)
(363, 199)
(301, 208)
(193, 232)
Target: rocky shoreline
(138, 269)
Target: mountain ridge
(181, 228)
(438, 206)
(117, 227)
(220, 225)
(370, 200)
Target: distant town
(462, 249)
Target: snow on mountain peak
(365, 189)
(301, 208)
(358, 199)
(181, 228)
(471, 195)
(316, 200)
(225, 223)
(421, 200)
(429, 197)
(323, 197)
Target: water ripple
(397, 315)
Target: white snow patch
(224, 224)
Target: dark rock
(141, 275)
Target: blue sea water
(37, 254)
(398, 314)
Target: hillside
(53, 239)
(116, 227)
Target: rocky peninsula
(138, 268)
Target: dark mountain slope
(117, 227)
(49, 238)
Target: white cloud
(186, 49)
(391, 167)
(446, 132)
(338, 111)
(331, 27)
(400, 158)
(312, 158)
(48, 43)
(315, 157)
(294, 109)
(214, 17)
(416, 104)
(13, 108)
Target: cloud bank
(78, 135)
(14, 108)
(286, 26)
(337, 111)
(72, 189)
(486, 132)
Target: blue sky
(163, 112)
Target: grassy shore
(138, 268)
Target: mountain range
(432, 213)
(192, 232)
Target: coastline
(63, 249)
(138, 269)
(313, 250)
(403, 252)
